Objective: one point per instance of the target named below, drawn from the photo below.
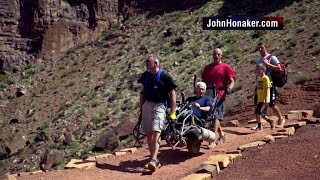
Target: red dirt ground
(295, 157)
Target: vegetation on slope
(92, 89)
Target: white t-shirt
(273, 60)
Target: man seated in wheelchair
(200, 103)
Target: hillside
(69, 101)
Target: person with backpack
(221, 76)
(157, 93)
(273, 67)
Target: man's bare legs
(217, 130)
(277, 111)
(153, 139)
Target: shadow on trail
(237, 132)
(166, 157)
(132, 166)
(171, 156)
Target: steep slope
(92, 91)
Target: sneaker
(256, 128)
(281, 123)
(212, 145)
(153, 165)
(222, 138)
(272, 123)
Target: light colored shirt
(272, 60)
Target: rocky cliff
(45, 28)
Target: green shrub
(316, 33)
(302, 78)
(69, 84)
(302, 10)
(64, 74)
(5, 81)
(3, 87)
(317, 51)
(74, 49)
(287, 21)
(29, 66)
(88, 53)
(102, 115)
(292, 42)
(71, 51)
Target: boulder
(49, 159)
(107, 141)
(67, 137)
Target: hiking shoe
(281, 123)
(212, 145)
(256, 128)
(153, 165)
(222, 138)
(272, 123)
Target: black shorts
(260, 109)
(273, 97)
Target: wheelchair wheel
(193, 146)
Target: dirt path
(176, 163)
(295, 157)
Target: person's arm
(267, 91)
(141, 98)
(275, 66)
(271, 66)
(203, 108)
(173, 98)
(230, 78)
(268, 86)
(231, 84)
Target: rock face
(44, 28)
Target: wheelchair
(186, 130)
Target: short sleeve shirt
(166, 85)
(218, 75)
(263, 85)
(203, 101)
(273, 60)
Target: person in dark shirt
(201, 103)
(157, 92)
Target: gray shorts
(153, 116)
